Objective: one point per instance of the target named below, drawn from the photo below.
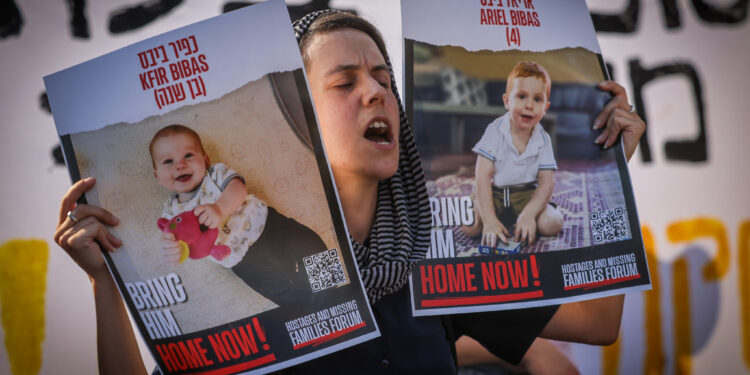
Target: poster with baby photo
(204, 144)
(528, 206)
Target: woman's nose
(374, 92)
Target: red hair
(528, 69)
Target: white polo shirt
(512, 168)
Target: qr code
(609, 225)
(324, 270)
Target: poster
(206, 136)
(491, 147)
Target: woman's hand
(82, 233)
(82, 230)
(616, 118)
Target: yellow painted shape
(184, 250)
(689, 230)
(743, 266)
(654, 352)
(611, 358)
(681, 303)
(23, 278)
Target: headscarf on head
(400, 234)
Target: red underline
(329, 336)
(603, 283)
(478, 300)
(240, 366)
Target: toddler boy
(515, 164)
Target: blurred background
(685, 64)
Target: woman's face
(357, 111)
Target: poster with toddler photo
(527, 208)
(204, 144)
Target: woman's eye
(344, 85)
(383, 78)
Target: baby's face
(179, 163)
(526, 102)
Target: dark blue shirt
(407, 345)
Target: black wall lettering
(731, 14)
(10, 19)
(79, 25)
(295, 11)
(625, 22)
(671, 14)
(610, 70)
(56, 152)
(44, 103)
(134, 17)
(693, 150)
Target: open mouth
(379, 132)
(527, 117)
(183, 177)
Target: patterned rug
(581, 187)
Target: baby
(265, 247)
(515, 164)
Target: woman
(378, 174)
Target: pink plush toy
(193, 243)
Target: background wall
(685, 64)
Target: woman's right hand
(84, 237)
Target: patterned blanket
(581, 188)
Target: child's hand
(209, 215)
(525, 228)
(492, 230)
(170, 248)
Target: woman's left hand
(618, 117)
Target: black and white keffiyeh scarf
(400, 234)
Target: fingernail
(116, 220)
(597, 124)
(598, 140)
